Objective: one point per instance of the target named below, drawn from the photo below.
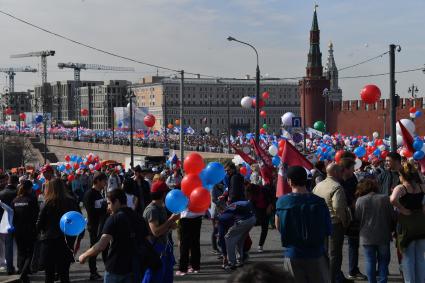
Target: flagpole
(181, 117)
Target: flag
(190, 130)
(174, 160)
(408, 142)
(266, 164)
(290, 157)
(248, 159)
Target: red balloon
(189, 183)
(379, 142)
(199, 200)
(97, 166)
(243, 171)
(193, 163)
(406, 153)
(412, 110)
(22, 116)
(71, 178)
(9, 111)
(67, 158)
(370, 94)
(263, 131)
(177, 122)
(338, 155)
(84, 112)
(263, 113)
(265, 95)
(149, 120)
(384, 154)
(76, 166)
(261, 105)
(68, 166)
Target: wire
(363, 62)
(98, 49)
(383, 74)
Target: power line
(363, 62)
(96, 48)
(383, 74)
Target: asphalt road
(210, 266)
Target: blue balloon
(42, 180)
(360, 151)
(39, 118)
(214, 173)
(418, 144)
(418, 155)
(35, 186)
(276, 160)
(176, 201)
(418, 114)
(72, 223)
(377, 152)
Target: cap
(138, 169)
(158, 187)
(46, 168)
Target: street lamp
(130, 97)
(306, 85)
(257, 85)
(413, 90)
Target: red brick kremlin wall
(354, 117)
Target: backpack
(305, 224)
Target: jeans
(117, 278)
(377, 254)
(413, 262)
(353, 255)
(9, 252)
(235, 238)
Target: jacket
(236, 188)
(387, 181)
(25, 214)
(7, 195)
(333, 193)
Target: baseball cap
(158, 187)
(46, 168)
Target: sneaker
(215, 252)
(229, 267)
(180, 273)
(260, 249)
(191, 270)
(95, 277)
(357, 276)
(3, 269)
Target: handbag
(410, 227)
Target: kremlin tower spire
(312, 86)
(331, 73)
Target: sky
(191, 35)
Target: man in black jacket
(95, 205)
(142, 190)
(7, 196)
(236, 187)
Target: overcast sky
(191, 35)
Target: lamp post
(257, 85)
(413, 90)
(181, 116)
(130, 97)
(393, 96)
(165, 121)
(325, 94)
(306, 85)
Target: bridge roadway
(114, 152)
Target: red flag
(408, 142)
(248, 159)
(290, 157)
(266, 164)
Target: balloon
(214, 173)
(76, 166)
(370, 94)
(199, 200)
(97, 166)
(276, 160)
(338, 155)
(287, 119)
(71, 178)
(35, 186)
(261, 104)
(412, 115)
(243, 171)
(22, 116)
(189, 183)
(384, 154)
(272, 150)
(207, 130)
(263, 131)
(38, 119)
(360, 151)
(418, 155)
(67, 158)
(246, 102)
(418, 144)
(176, 201)
(84, 112)
(170, 126)
(418, 114)
(405, 153)
(177, 122)
(358, 164)
(412, 110)
(319, 126)
(375, 135)
(347, 142)
(265, 126)
(408, 124)
(72, 223)
(9, 111)
(265, 95)
(377, 152)
(263, 114)
(193, 163)
(149, 120)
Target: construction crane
(77, 69)
(11, 72)
(43, 55)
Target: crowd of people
(130, 226)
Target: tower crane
(11, 72)
(43, 55)
(82, 66)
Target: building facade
(20, 102)
(100, 101)
(214, 103)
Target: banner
(122, 118)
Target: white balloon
(287, 119)
(408, 124)
(358, 164)
(347, 142)
(412, 115)
(246, 102)
(273, 150)
(375, 135)
(382, 147)
(207, 130)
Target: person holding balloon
(56, 248)
(25, 213)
